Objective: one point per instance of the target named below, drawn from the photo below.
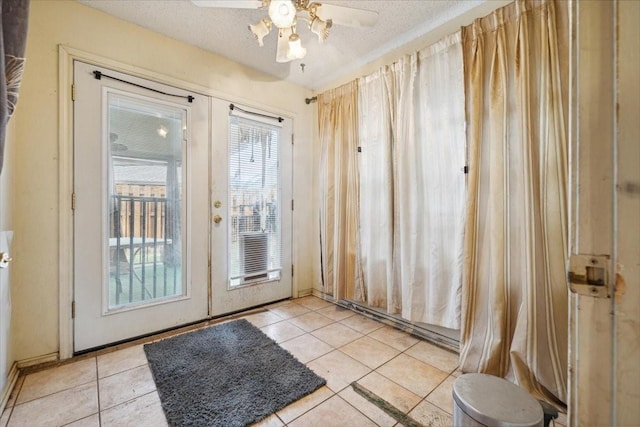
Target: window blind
(255, 240)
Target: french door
(5, 304)
(141, 217)
(251, 208)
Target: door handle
(5, 259)
(217, 219)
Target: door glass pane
(254, 202)
(145, 190)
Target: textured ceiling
(224, 31)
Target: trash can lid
(493, 401)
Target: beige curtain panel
(412, 185)
(375, 169)
(429, 183)
(514, 288)
(338, 132)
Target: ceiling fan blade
(342, 15)
(231, 4)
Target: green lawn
(144, 283)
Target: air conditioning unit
(254, 253)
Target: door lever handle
(5, 259)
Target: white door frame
(604, 106)
(66, 56)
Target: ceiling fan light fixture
(282, 13)
(320, 28)
(260, 29)
(296, 51)
(283, 44)
(162, 131)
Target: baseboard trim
(433, 337)
(12, 379)
(429, 335)
(322, 295)
(304, 293)
(38, 360)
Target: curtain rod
(234, 107)
(310, 100)
(99, 75)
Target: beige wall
(33, 204)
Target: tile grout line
(273, 315)
(280, 419)
(306, 363)
(403, 387)
(385, 406)
(379, 366)
(15, 401)
(422, 399)
(126, 370)
(51, 394)
(357, 410)
(337, 393)
(311, 408)
(98, 392)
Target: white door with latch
(141, 214)
(5, 304)
(251, 208)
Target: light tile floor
(115, 388)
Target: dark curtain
(13, 33)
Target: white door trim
(65, 213)
(66, 56)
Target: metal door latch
(589, 275)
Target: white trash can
(486, 400)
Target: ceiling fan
(284, 15)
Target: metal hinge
(291, 204)
(291, 270)
(73, 309)
(465, 169)
(73, 201)
(73, 92)
(291, 139)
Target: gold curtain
(338, 131)
(514, 287)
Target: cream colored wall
(34, 205)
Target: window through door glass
(255, 203)
(144, 201)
